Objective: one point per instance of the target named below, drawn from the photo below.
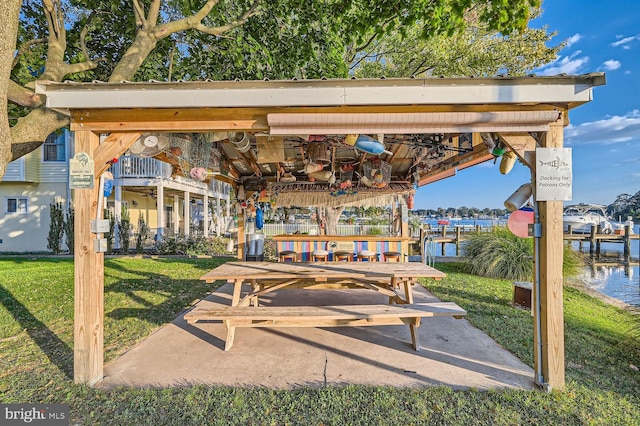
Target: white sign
(554, 177)
(81, 170)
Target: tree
(106, 40)
(475, 50)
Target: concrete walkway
(453, 352)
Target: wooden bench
(324, 316)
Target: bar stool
(342, 255)
(288, 255)
(367, 255)
(320, 256)
(391, 256)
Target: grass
(36, 359)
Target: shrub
(69, 224)
(192, 245)
(56, 227)
(124, 227)
(374, 231)
(142, 235)
(112, 228)
(501, 254)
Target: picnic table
(266, 277)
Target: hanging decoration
(367, 144)
(519, 222)
(507, 162)
(108, 183)
(259, 218)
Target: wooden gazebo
(266, 132)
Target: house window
(16, 205)
(54, 147)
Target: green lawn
(36, 359)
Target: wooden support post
(88, 334)
(550, 255)
(458, 235)
(592, 240)
(627, 242)
(241, 244)
(598, 231)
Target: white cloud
(610, 65)
(573, 39)
(610, 130)
(565, 65)
(636, 175)
(623, 41)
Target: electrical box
(99, 226)
(100, 245)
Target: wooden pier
(595, 238)
(444, 235)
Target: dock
(443, 235)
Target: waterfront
(611, 275)
(608, 275)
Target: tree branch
(253, 11)
(195, 21)
(31, 131)
(23, 96)
(80, 66)
(25, 46)
(138, 10)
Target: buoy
(323, 175)
(507, 162)
(519, 198)
(519, 222)
(410, 201)
(367, 144)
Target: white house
(144, 186)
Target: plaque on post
(81, 171)
(554, 179)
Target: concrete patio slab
(453, 352)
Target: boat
(581, 217)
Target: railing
(271, 229)
(138, 167)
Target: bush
(142, 235)
(56, 227)
(124, 228)
(501, 254)
(192, 245)
(69, 231)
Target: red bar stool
(289, 255)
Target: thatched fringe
(319, 195)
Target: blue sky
(604, 134)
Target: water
(616, 280)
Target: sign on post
(554, 177)
(81, 171)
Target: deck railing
(271, 229)
(138, 167)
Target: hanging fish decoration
(367, 144)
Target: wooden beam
(245, 119)
(520, 143)
(88, 333)
(112, 147)
(550, 256)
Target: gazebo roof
(261, 131)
